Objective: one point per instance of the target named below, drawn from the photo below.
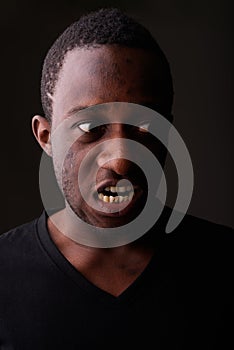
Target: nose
(120, 166)
(117, 154)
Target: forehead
(92, 76)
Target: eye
(90, 130)
(89, 126)
(144, 127)
(86, 126)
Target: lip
(120, 209)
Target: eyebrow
(80, 108)
(76, 110)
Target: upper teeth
(117, 189)
(126, 191)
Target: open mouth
(116, 194)
(117, 199)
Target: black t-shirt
(182, 300)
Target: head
(104, 57)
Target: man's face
(92, 77)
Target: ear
(41, 128)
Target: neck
(112, 269)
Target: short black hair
(105, 26)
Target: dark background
(197, 39)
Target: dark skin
(90, 77)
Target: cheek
(72, 165)
(157, 148)
(70, 168)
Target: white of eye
(85, 126)
(144, 127)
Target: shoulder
(201, 230)
(18, 242)
(196, 228)
(18, 233)
(203, 246)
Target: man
(156, 291)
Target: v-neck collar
(65, 267)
